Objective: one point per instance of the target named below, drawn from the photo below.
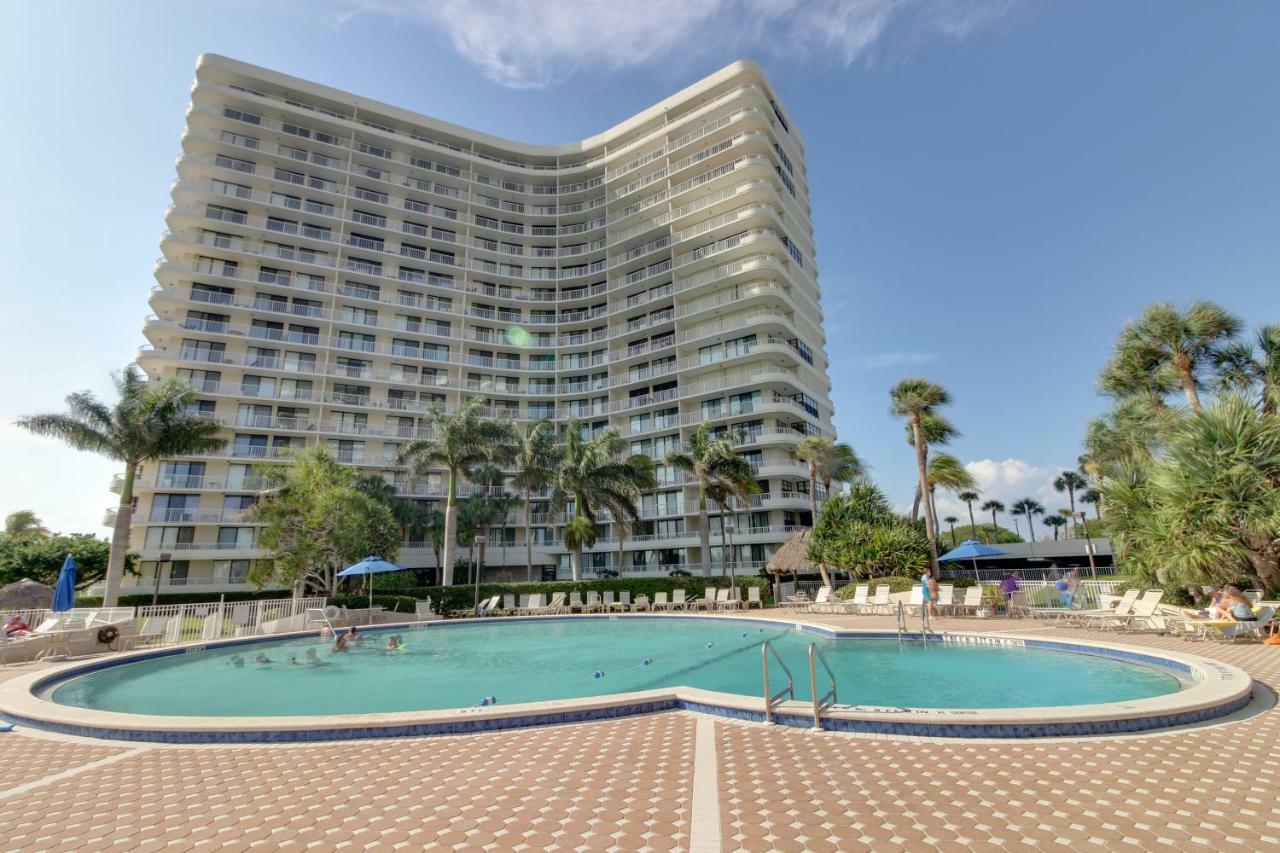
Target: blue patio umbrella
(370, 566)
(970, 549)
(64, 594)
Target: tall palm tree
(947, 472)
(457, 441)
(25, 524)
(1030, 509)
(937, 432)
(828, 463)
(917, 399)
(535, 467)
(148, 422)
(1056, 522)
(969, 496)
(713, 463)
(993, 507)
(1187, 341)
(1244, 368)
(1093, 496)
(951, 522)
(736, 484)
(1069, 481)
(596, 473)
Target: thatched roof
(791, 558)
(25, 594)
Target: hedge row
(183, 598)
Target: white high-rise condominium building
(335, 267)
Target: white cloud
(525, 44)
(882, 360)
(1008, 481)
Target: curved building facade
(334, 268)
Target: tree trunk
(813, 510)
(528, 532)
(915, 505)
(575, 563)
(724, 552)
(1031, 528)
(1188, 381)
(704, 532)
(120, 539)
(973, 525)
(922, 464)
(1071, 499)
(994, 533)
(450, 530)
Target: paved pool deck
(670, 781)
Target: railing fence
(215, 620)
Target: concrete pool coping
(1215, 689)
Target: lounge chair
(641, 603)
(535, 603)
(880, 602)
(575, 601)
(152, 631)
(623, 604)
(915, 600)
(556, 605)
(946, 598)
(422, 610)
(1141, 615)
(859, 600)
(678, 601)
(821, 601)
(972, 601)
(728, 599)
(607, 602)
(508, 602)
(753, 598)
(593, 604)
(522, 603)
(660, 601)
(35, 643)
(1121, 608)
(1220, 629)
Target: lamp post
(155, 593)
(733, 578)
(480, 541)
(1088, 543)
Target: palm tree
(917, 399)
(25, 524)
(993, 507)
(969, 496)
(1239, 368)
(1030, 509)
(714, 464)
(951, 522)
(146, 423)
(459, 441)
(1187, 341)
(948, 472)
(1056, 522)
(1069, 481)
(828, 463)
(1093, 496)
(738, 484)
(593, 474)
(535, 467)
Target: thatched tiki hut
(25, 594)
(790, 559)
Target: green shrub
(447, 599)
(959, 583)
(896, 584)
(184, 598)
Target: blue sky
(997, 185)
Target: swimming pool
(536, 660)
(465, 676)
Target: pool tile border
(1216, 689)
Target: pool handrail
(771, 699)
(827, 699)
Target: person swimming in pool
(293, 659)
(262, 659)
(340, 645)
(236, 661)
(313, 660)
(393, 644)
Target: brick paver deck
(630, 785)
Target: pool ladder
(820, 703)
(925, 625)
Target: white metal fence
(215, 620)
(1039, 593)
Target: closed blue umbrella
(64, 594)
(370, 566)
(971, 549)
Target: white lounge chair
(623, 604)
(1122, 608)
(35, 643)
(972, 601)
(422, 610)
(593, 604)
(946, 598)
(152, 631)
(678, 601)
(607, 602)
(555, 605)
(641, 603)
(1232, 631)
(880, 601)
(915, 600)
(575, 601)
(753, 598)
(508, 602)
(821, 600)
(858, 602)
(536, 602)
(660, 601)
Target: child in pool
(340, 645)
(236, 661)
(312, 660)
(354, 637)
(393, 644)
(262, 659)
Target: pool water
(459, 665)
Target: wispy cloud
(883, 360)
(1008, 481)
(529, 44)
